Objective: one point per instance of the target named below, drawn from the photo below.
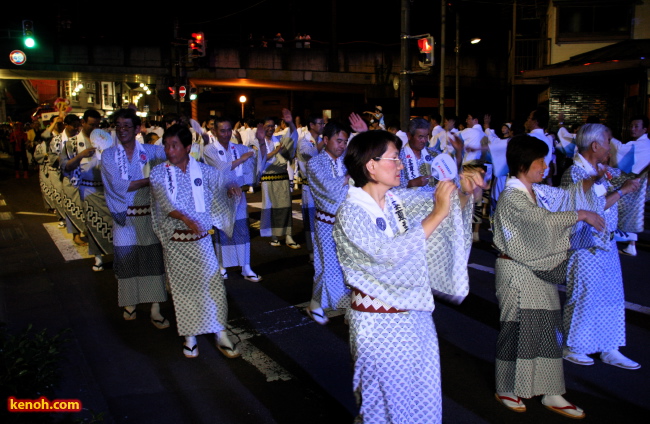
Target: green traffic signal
(28, 34)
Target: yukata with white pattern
(87, 179)
(40, 156)
(71, 197)
(594, 312)
(329, 187)
(396, 357)
(191, 263)
(54, 172)
(306, 150)
(533, 234)
(276, 216)
(234, 250)
(138, 258)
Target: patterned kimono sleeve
(158, 180)
(222, 208)
(289, 143)
(532, 235)
(116, 189)
(248, 167)
(447, 253)
(161, 205)
(392, 269)
(40, 153)
(156, 154)
(584, 236)
(328, 191)
(54, 154)
(211, 156)
(631, 207)
(67, 152)
(306, 150)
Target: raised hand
(357, 124)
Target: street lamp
(242, 100)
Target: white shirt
(632, 156)
(472, 138)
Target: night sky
(230, 23)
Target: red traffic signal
(172, 92)
(196, 46)
(425, 44)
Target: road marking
(63, 241)
(35, 213)
(269, 322)
(628, 305)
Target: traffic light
(28, 34)
(196, 46)
(193, 94)
(172, 92)
(425, 45)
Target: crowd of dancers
(389, 220)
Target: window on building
(593, 21)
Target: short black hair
(311, 119)
(335, 127)
(91, 113)
(127, 113)
(418, 124)
(475, 114)
(640, 118)
(221, 119)
(436, 117)
(170, 117)
(182, 132)
(71, 119)
(522, 151)
(362, 149)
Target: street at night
(126, 135)
(292, 370)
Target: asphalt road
(292, 370)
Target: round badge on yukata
(143, 157)
(381, 223)
(221, 152)
(198, 182)
(81, 144)
(427, 158)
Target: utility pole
(441, 97)
(457, 63)
(404, 76)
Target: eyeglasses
(125, 127)
(398, 161)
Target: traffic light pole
(404, 77)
